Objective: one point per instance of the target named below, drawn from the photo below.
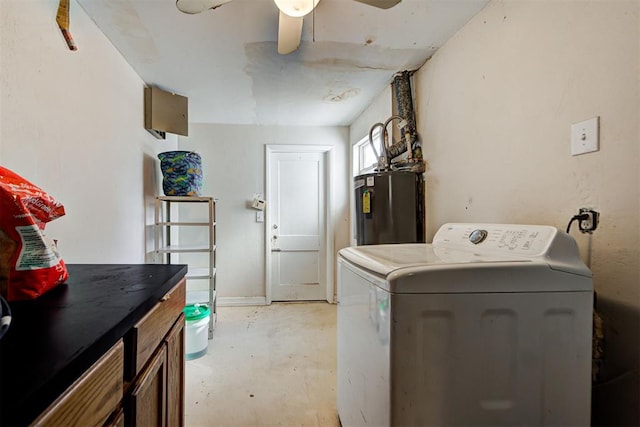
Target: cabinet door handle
(167, 297)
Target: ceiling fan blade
(296, 7)
(198, 6)
(382, 4)
(289, 33)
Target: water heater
(389, 207)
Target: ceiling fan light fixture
(296, 8)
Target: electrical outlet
(585, 136)
(591, 223)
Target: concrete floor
(266, 366)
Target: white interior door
(297, 226)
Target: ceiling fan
(292, 14)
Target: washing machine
(489, 325)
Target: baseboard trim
(241, 301)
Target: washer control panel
(514, 239)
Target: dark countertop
(55, 338)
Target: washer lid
(425, 269)
(385, 259)
(478, 258)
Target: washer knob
(478, 236)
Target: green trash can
(196, 330)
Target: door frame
(328, 153)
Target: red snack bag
(29, 261)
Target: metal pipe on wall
(404, 102)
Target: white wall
(377, 112)
(495, 106)
(233, 159)
(72, 123)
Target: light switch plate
(260, 216)
(585, 136)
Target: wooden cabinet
(175, 374)
(156, 396)
(148, 400)
(93, 397)
(149, 333)
(138, 382)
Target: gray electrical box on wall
(165, 112)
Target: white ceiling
(225, 60)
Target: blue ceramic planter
(181, 172)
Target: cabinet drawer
(93, 397)
(148, 333)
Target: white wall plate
(585, 136)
